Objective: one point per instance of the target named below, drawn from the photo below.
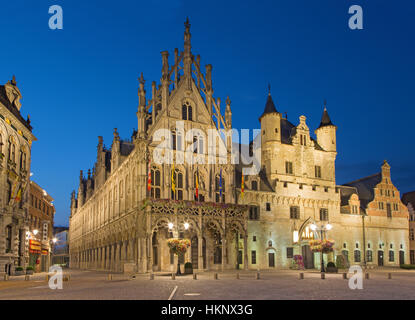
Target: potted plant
(331, 268)
(188, 268)
(30, 270)
(18, 271)
(178, 247)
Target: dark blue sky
(81, 82)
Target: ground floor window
(412, 256)
(290, 252)
(253, 257)
(357, 256)
(391, 256)
(369, 256)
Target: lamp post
(322, 229)
(176, 231)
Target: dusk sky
(81, 82)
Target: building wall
(40, 218)
(15, 158)
(112, 226)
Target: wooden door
(271, 259)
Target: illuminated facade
(15, 156)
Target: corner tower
(270, 134)
(326, 133)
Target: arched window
(254, 185)
(187, 112)
(155, 183)
(176, 140)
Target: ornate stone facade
(118, 224)
(15, 155)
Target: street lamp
(322, 228)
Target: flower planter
(29, 271)
(19, 273)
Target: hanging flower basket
(178, 246)
(325, 246)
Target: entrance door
(380, 258)
(308, 257)
(239, 257)
(271, 259)
(401, 257)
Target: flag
(220, 185)
(173, 180)
(14, 191)
(18, 196)
(149, 177)
(242, 186)
(197, 185)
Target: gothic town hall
(128, 205)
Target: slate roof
(365, 188)
(325, 120)
(345, 194)
(5, 101)
(409, 197)
(269, 107)
(126, 147)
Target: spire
(269, 106)
(325, 119)
(187, 57)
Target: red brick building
(41, 215)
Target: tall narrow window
(178, 195)
(155, 183)
(8, 238)
(294, 213)
(254, 185)
(217, 189)
(187, 112)
(317, 171)
(288, 167)
(324, 214)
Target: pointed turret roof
(325, 119)
(269, 106)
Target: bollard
(258, 276)
(194, 276)
(323, 275)
(237, 275)
(367, 276)
(27, 277)
(47, 277)
(6, 277)
(151, 276)
(65, 278)
(173, 276)
(301, 277)
(215, 276)
(345, 276)
(389, 275)
(110, 276)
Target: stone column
(149, 253)
(245, 251)
(200, 252)
(224, 255)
